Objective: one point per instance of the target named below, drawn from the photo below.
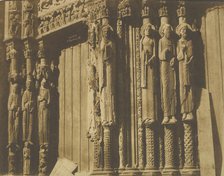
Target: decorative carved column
(186, 59)
(28, 108)
(139, 104)
(121, 87)
(14, 107)
(95, 126)
(168, 88)
(149, 85)
(29, 97)
(105, 67)
(42, 76)
(107, 146)
(12, 42)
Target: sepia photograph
(111, 87)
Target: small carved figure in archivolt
(28, 112)
(14, 109)
(167, 74)
(148, 75)
(185, 58)
(43, 113)
(106, 74)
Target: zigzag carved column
(168, 88)
(28, 98)
(149, 85)
(13, 46)
(186, 58)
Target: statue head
(29, 84)
(106, 32)
(166, 30)
(43, 83)
(183, 30)
(147, 29)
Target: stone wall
(213, 38)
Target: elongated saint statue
(185, 58)
(106, 74)
(14, 110)
(43, 113)
(28, 112)
(148, 74)
(167, 74)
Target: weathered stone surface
(205, 135)
(64, 167)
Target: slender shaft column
(185, 57)
(28, 108)
(107, 146)
(189, 161)
(14, 108)
(150, 150)
(168, 87)
(141, 150)
(169, 147)
(149, 63)
(42, 75)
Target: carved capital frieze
(14, 19)
(163, 10)
(181, 10)
(28, 20)
(125, 9)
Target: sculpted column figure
(148, 84)
(14, 115)
(43, 125)
(14, 107)
(28, 106)
(185, 57)
(43, 101)
(168, 88)
(106, 83)
(95, 126)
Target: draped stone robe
(106, 80)
(44, 115)
(185, 56)
(168, 76)
(28, 115)
(148, 79)
(13, 121)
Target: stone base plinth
(170, 172)
(103, 173)
(151, 173)
(129, 172)
(190, 172)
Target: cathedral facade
(119, 87)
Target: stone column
(14, 107)
(185, 56)
(167, 57)
(107, 146)
(28, 107)
(12, 42)
(42, 76)
(149, 60)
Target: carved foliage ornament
(124, 8)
